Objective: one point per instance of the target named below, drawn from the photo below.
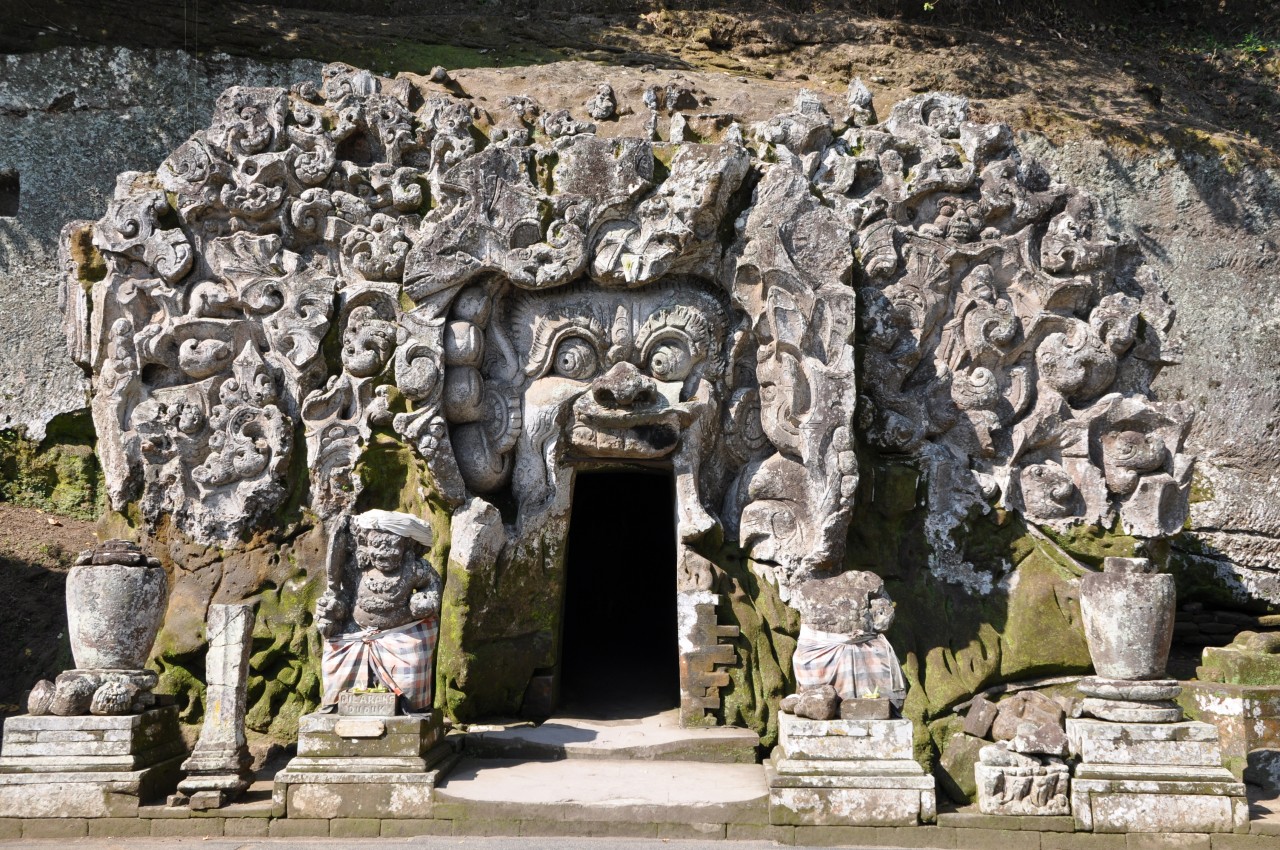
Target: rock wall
(1191, 217)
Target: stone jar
(115, 601)
(1128, 618)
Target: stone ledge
(957, 831)
(1026, 823)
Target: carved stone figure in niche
(379, 614)
(842, 644)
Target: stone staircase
(574, 776)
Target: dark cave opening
(619, 651)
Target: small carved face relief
(380, 550)
(633, 365)
(367, 343)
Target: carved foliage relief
(513, 303)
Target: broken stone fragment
(603, 105)
(1027, 707)
(41, 698)
(982, 713)
(817, 704)
(999, 755)
(1048, 739)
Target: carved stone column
(218, 770)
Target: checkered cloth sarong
(854, 667)
(400, 658)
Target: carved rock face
(340, 258)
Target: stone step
(642, 791)
(655, 737)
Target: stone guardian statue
(379, 614)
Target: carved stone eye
(576, 359)
(670, 361)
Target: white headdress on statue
(405, 525)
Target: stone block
(1187, 743)
(409, 827)
(955, 772)
(11, 828)
(777, 833)
(298, 828)
(847, 806)
(55, 828)
(90, 743)
(982, 713)
(186, 827)
(1152, 804)
(844, 739)
(835, 836)
(694, 830)
(1081, 841)
(246, 827)
(1167, 841)
(1041, 790)
(401, 737)
(119, 827)
(1005, 839)
(916, 836)
(387, 795)
(84, 794)
(355, 828)
(482, 826)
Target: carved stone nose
(624, 387)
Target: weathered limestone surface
(364, 767)
(847, 772)
(130, 109)
(1153, 777)
(218, 770)
(88, 766)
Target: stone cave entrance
(619, 652)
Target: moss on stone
(60, 474)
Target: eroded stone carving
(517, 297)
(379, 613)
(842, 648)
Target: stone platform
(88, 766)
(363, 767)
(1153, 777)
(847, 773)
(655, 736)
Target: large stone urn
(1128, 613)
(116, 599)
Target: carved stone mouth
(646, 434)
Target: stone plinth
(1153, 777)
(848, 773)
(363, 766)
(1247, 718)
(88, 766)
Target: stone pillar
(218, 770)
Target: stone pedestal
(363, 766)
(1153, 777)
(849, 773)
(88, 766)
(1248, 721)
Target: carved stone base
(88, 766)
(90, 743)
(849, 773)
(1153, 777)
(343, 744)
(1041, 790)
(363, 767)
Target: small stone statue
(842, 646)
(380, 613)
